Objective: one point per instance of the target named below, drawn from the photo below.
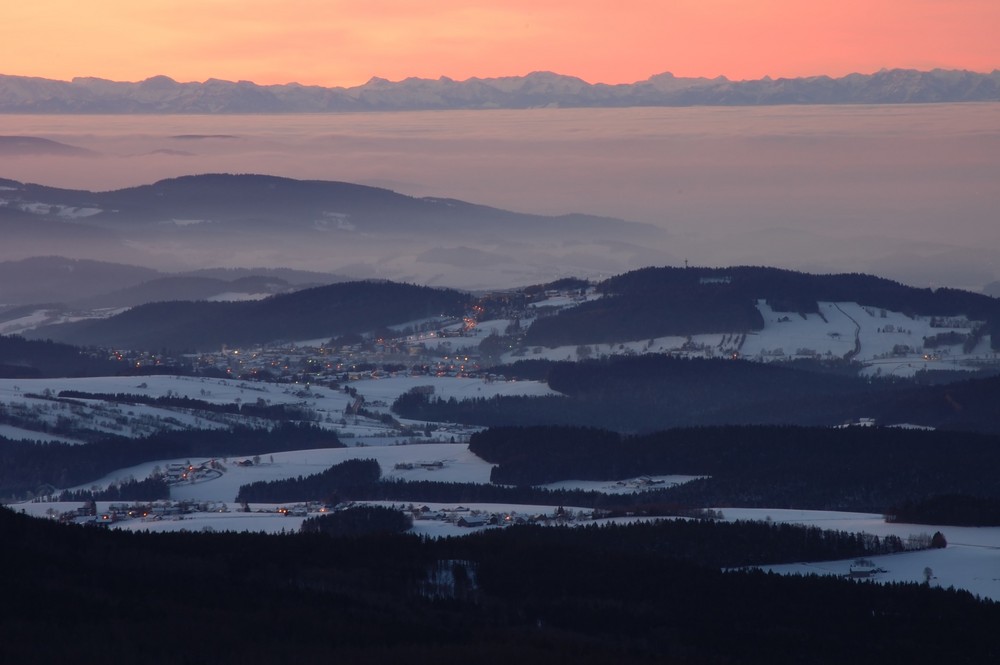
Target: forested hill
(864, 469)
(655, 302)
(25, 359)
(533, 596)
(324, 311)
(645, 393)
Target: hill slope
(323, 311)
(221, 219)
(653, 302)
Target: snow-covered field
(48, 316)
(457, 465)
(621, 486)
(215, 391)
(882, 334)
(20, 434)
(389, 389)
(888, 343)
(442, 462)
(971, 561)
(32, 400)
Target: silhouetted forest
(646, 503)
(953, 509)
(527, 595)
(359, 521)
(652, 392)
(858, 468)
(147, 489)
(24, 359)
(349, 480)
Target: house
(471, 521)
(863, 569)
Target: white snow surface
(45, 317)
(971, 561)
(389, 389)
(458, 465)
(881, 336)
(21, 434)
(136, 419)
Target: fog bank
(905, 191)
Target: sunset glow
(346, 42)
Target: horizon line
(379, 79)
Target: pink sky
(346, 42)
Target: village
(134, 515)
(437, 346)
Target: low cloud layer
(903, 191)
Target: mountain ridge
(162, 94)
(189, 222)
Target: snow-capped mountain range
(161, 94)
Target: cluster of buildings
(440, 346)
(89, 515)
(470, 518)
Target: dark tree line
(856, 468)
(653, 392)
(148, 489)
(345, 481)
(359, 521)
(953, 509)
(527, 595)
(24, 359)
(706, 542)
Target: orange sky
(346, 42)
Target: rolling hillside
(325, 311)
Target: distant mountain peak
(230, 219)
(159, 79)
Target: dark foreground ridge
(526, 595)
